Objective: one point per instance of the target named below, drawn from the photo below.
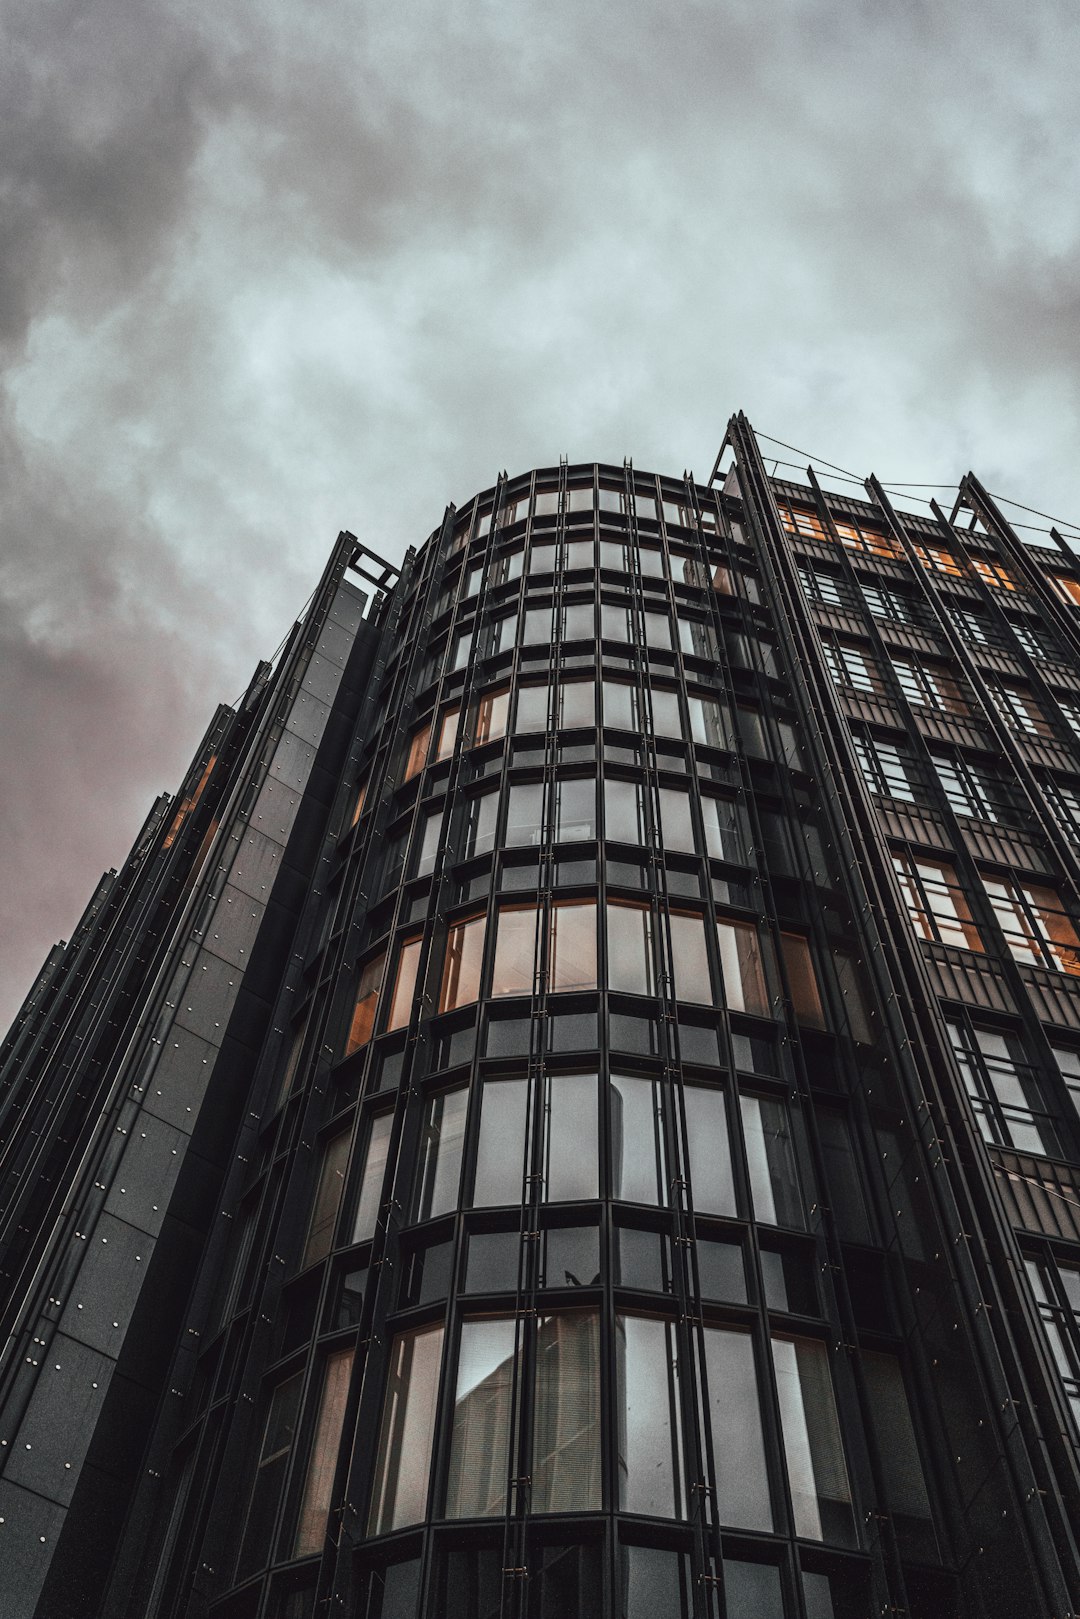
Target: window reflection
(742, 1484)
(480, 1438)
(620, 705)
(638, 1157)
(570, 1146)
(817, 1472)
(623, 811)
(401, 999)
(491, 715)
(367, 1003)
(566, 1422)
(676, 823)
(399, 1496)
(711, 1177)
(514, 971)
(689, 958)
(770, 1156)
(524, 815)
(315, 1507)
(500, 1152)
(649, 1436)
(575, 809)
(464, 957)
(573, 945)
(630, 948)
(741, 966)
(331, 1183)
(371, 1177)
(441, 1143)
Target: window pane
(491, 714)
(656, 1584)
(623, 819)
(481, 815)
(905, 1486)
(723, 837)
(464, 957)
(579, 622)
(803, 983)
(577, 703)
(650, 1469)
(572, 963)
(630, 952)
(441, 1145)
(753, 1589)
(399, 1496)
(500, 1152)
(741, 966)
(367, 1002)
(327, 1198)
(817, 1473)
(638, 1159)
(689, 958)
(269, 1476)
(571, 1149)
(480, 1441)
(742, 1484)
(448, 730)
(525, 815)
(620, 705)
(371, 1179)
(515, 951)
(418, 750)
(675, 820)
(707, 722)
(666, 716)
(532, 709)
(575, 813)
(315, 1508)
(566, 1423)
(401, 1001)
(710, 1151)
(429, 844)
(770, 1156)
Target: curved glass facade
(687, 967)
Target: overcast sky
(272, 270)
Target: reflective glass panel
(649, 1456)
(742, 1483)
(515, 951)
(500, 1152)
(571, 1148)
(770, 1157)
(566, 1422)
(572, 959)
(441, 1144)
(399, 1495)
(638, 1158)
(371, 1177)
(630, 948)
(480, 1438)
(817, 1472)
(315, 1507)
(711, 1177)
(689, 958)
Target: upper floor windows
(993, 573)
(1018, 709)
(825, 586)
(937, 560)
(1067, 587)
(1002, 1088)
(974, 624)
(893, 605)
(975, 788)
(888, 769)
(1056, 1286)
(1036, 926)
(850, 664)
(936, 903)
(930, 685)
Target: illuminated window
(993, 574)
(418, 751)
(937, 560)
(745, 989)
(491, 715)
(464, 957)
(1067, 588)
(802, 980)
(1035, 924)
(360, 798)
(367, 1003)
(936, 903)
(401, 998)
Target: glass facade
(695, 903)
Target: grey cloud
(267, 272)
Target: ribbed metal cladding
(654, 1192)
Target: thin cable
(1035, 513)
(794, 448)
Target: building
(573, 1108)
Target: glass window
(367, 1002)
(754, 1588)
(361, 797)
(1068, 1061)
(504, 632)
(905, 1485)
(649, 1461)
(525, 815)
(572, 957)
(542, 559)
(566, 1421)
(623, 811)
(689, 958)
(575, 809)
(1019, 710)
(742, 1482)
(500, 1152)
(464, 957)
(318, 1487)
(1057, 1293)
(547, 503)
(741, 965)
(429, 843)
(936, 903)
(617, 622)
(655, 1582)
(537, 628)
(709, 1148)
(277, 1438)
(770, 1158)
(418, 751)
(401, 999)
(630, 948)
(403, 1463)
(657, 628)
(666, 717)
(676, 822)
(531, 713)
(620, 705)
(1067, 588)
(1034, 923)
(462, 648)
(515, 951)
(578, 622)
(723, 829)
(579, 554)
(580, 498)
(638, 1156)
(491, 715)
(887, 767)
(1003, 1089)
(802, 980)
(992, 573)
(817, 1472)
(441, 1144)
(328, 1190)
(708, 722)
(570, 1145)
(483, 1411)
(448, 730)
(372, 1176)
(481, 814)
(577, 702)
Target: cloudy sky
(271, 270)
